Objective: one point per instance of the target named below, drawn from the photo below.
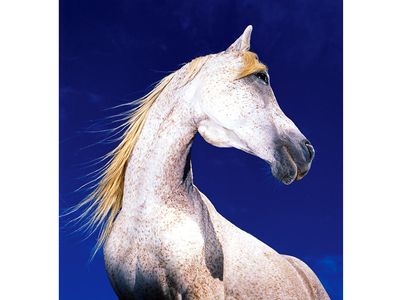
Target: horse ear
(243, 42)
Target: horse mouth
(292, 171)
(300, 174)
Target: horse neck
(160, 165)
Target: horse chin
(287, 176)
(286, 170)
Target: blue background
(111, 52)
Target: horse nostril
(311, 151)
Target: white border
(29, 149)
(371, 156)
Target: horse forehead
(224, 62)
(234, 64)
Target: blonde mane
(251, 65)
(105, 201)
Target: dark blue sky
(111, 52)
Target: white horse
(162, 237)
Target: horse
(161, 237)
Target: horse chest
(162, 253)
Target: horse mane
(104, 203)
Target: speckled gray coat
(168, 241)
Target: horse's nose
(310, 152)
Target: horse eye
(263, 76)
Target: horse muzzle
(293, 161)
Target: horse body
(168, 241)
(176, 260)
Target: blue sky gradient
(111, 53)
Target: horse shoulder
(308, 277)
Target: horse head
(235, 106)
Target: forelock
(250, 65)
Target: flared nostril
(311, 151)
